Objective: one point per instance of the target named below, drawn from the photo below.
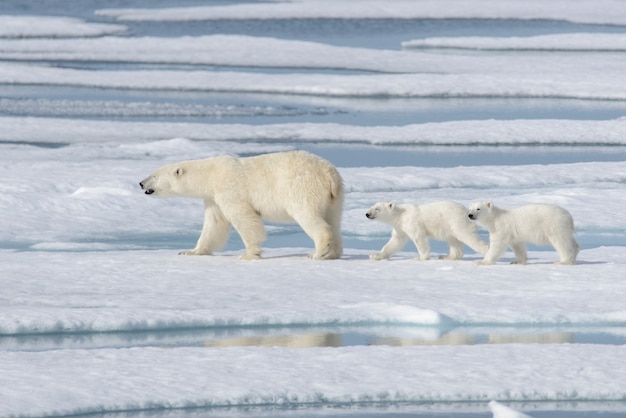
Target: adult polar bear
(536, 223)
(293, 186)
(445, 221)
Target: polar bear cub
(443, 221)
(294, 187)
(539, 224)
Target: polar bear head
(382, 211)
(480, 210)
(170, 180)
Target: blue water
(69, 102)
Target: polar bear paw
(450, 257)
(377, 256)
(328, 253)
(250, 256)
(194, 252)
(325, 256)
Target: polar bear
(293, 186)
(538, 223)
(444, 221)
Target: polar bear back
(281, 183)
(535, 223)
(288, 172)
(439, 220)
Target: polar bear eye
(178, 172)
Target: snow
(396, 73)
(502, 411)
(585, 11)
(143, 290)
(572, 85)
(201, 377)
(112, 291)
(559, 42)
(265, 52)
(40, 26)
(99, 314)
(463, 132)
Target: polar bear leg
(322, 234)
(397, 241)
(215, 232)
(519, 249)
(423, 248)
(333, 218)
(456, 250)
(567, 248)
(250, 228)
(496, 249)
(337, 247)
(471, 239)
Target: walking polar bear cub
(293, 186)
(444, 221)
(539, 224)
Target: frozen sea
(413, 101)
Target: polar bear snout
(372, 213)
(146, 185)
(471, 216)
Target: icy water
(92, 103)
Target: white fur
(539, 224)
(295, 187)
(443, 221)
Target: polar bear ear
(178, 172)
(489, 204)
(391, 205)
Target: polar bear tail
(336, 186)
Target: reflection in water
(290, 341)
(322, 336)
(345, 339)
(550, 338)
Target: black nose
(471, 216)
(141, 184)
(368, 216)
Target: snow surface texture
(502, 411)
(465, 132)
(408, 73)
(561, 42)
(99, 314)
(586, 11)
(40, 26)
